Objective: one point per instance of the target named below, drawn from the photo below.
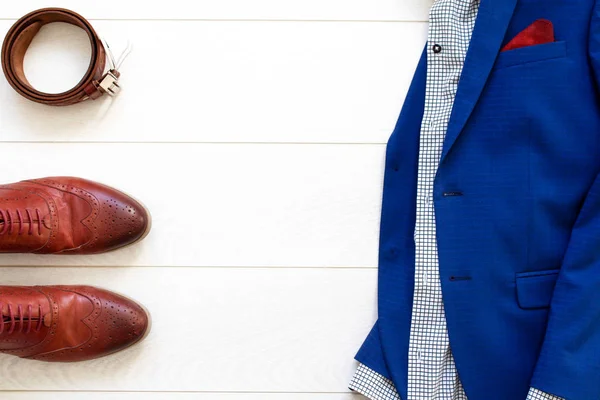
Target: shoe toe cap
(122, 221)
(119, 220)
(122, 323)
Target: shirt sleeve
(373, 385)
(535, 394)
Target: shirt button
(425, 278)
(437, 48)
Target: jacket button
(437, 48)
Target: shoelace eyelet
(8, 221)
(21, 319)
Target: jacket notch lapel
(489, 31)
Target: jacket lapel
(491, 25)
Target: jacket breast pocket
(530, 54)
(535, 289)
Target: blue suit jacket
(517, 202)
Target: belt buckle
(109, 84)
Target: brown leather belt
(94, 83)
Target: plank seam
(393, 21)
(188, 266)
(165, 391)
(215, 143)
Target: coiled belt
(93, 84)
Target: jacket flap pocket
(535, 289)
(538, 52)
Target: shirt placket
(428, 338)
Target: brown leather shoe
(67, 323)
(68, 216)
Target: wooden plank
(176, 396)
(225, 204)
(214, 330)
(383, 10)
(293, 82)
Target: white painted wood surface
(226, 204)
(229, 81)
(217, 330)
(313, 10)
(254, 131)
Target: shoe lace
(20, 319)
(8, 221)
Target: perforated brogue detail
(115, 323)
(115, 220)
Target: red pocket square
(540, 32)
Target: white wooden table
(254, 131)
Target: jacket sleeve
(569, 361)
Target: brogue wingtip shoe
(68, 215)
(68, 323)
